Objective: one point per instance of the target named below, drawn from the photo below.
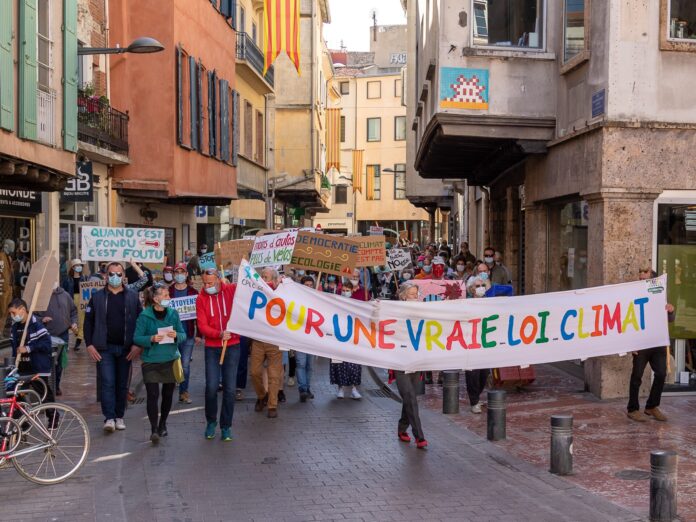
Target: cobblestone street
(323, 460)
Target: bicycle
(48, 443)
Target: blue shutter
(225, 8)
(235, 127)
(28, 69)
(6, 67)
(224, 121)
(199, 90)
(212, 114)
(233, 12)
(193, 103)
(179, 99)
(70, 75)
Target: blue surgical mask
(332, 279)
(300, 272)
(77, 269)
(420, 264)
(17, 318)
(484, 276)
(168, 277)
(115, 281)
(211, 290)
(180, 278)
(165, 303)
(428, 268)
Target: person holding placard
(182, 288)
(160, 333)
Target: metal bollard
(450, 392)
(561, 444)
(663, 486)
(496, 415)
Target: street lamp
(141, 45)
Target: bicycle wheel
(55, 447)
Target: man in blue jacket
(109, 325)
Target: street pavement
(323, 460)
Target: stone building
(573, 125)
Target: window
(242, 20)
(574, 28)
(253, 32)
(682, 20)
(44, 45)
(248, 130)
(374, 129)
(343, 129)
(345, 87)
(567, 241)
(340, 195)
(399, 128)
(259, 137)
(377, 182)
(374, 90)
(400, 181)
(509, 24)
(397, 88)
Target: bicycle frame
(15, 405)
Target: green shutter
(235, 127)
(70, 75)
(224, 121)
(179, 99)
(6, 67)
(193, 102)
(28, 69)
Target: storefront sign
(80, 187)
(398, 259)
(145, 245)
(229, 254)
(376, 231)
(372, 251)
(273, 249)
(87, 289)
(323, 253)
(462, 334)
(186, 306)
(20, 201)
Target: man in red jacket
(213, 310)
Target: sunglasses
(480, 286)
(210, 271)
(120, 274)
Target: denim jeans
(304, 370)
(114, 370)
(243, 367)
(186, 350)
(214, 372)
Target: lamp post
(142, 45)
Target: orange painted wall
(146, 85)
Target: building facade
(565, 120)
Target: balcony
(249, 54)
(100, 125)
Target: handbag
(178, 369)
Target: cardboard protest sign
(441, 289)
(398, 259)
(273, 249)
(207, 260)
(371, 252)
(87, 289)
(186, 306)
(39, 287)
(331, 255)
(229, 254)
(145, 245)
(376, 231)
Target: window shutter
(70, 75)
(199, 91)
(27, 69)
(193, 103)
(235, 127)
(212, 112)
(224, 121)
(233, 12)
(179, 99)
(225, 8)
(6, 67)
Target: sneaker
(341, 394)
(272, 413)
(355, 394)
(311, 395)
(226, 434)
(239, 395)
(281, 396)
(120, 424)
(162, 430)
(185, 398)
(421, 444)
(210, 430)
(304, 396)
(109, 426)
(291, 381)
(476, 408)
(656, 414)
(637, 416)
(403, 437)
(154, 438)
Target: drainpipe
(312, 96)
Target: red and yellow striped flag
(333, 139)
(282, 24)
(357, 170)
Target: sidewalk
(323, 460)
(611, 452)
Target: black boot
(162, 429)
(78, 342)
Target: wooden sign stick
(316, 287)
(222, 355)
(26, 326)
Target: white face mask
(488, 260)
(355, 282)
(168, 277)
(460, 268)
(407, 276)
(480, 291)
(346, 293)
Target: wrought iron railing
(100, 124)
(249, 51)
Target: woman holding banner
(476, 379)
(159, 332)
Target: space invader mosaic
(463, 88)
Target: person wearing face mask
(427, 269)
(331, 286)
(159, 333)
(213, 310)
(476, 379)
(464, 255)
(168, 275)
(71, 284)
(406, 275)
(439, 268)
(460, 271)
(497, 272)
(110, 319)
(183, 288)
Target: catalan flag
(370, 183)
(357, 170)
(333, 139)
(282, 22)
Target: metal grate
(633, 474)
(377, 393)
(139, 400)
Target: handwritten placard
(273, 249)
(145, 245)
(207, 260)
(398, 259)
(371, 252)
(186, 306)
(328, 254)
(229, 254)
(87, 289)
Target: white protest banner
(145, 245)
(186, 306)
(398, 259)
(463, 334)
(273, 249)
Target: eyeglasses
(120, 274)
